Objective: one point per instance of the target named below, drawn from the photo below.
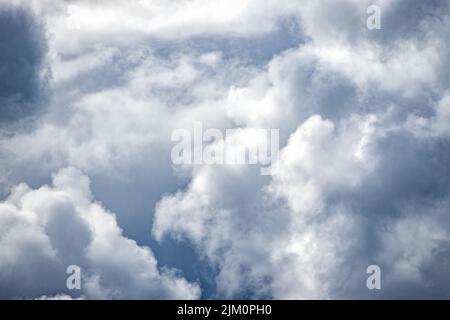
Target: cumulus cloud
(48, 229)
(166, 20)
(23, 60)
(362, 177)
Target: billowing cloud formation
(358, 181)
(363, 175)
(22, 60)
(48, 229)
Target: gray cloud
(22, 59)
(363, 176)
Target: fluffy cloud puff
(47, 229)
(351, 186)
(23, 60)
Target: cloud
(47, 229)
(279, 238)
(57, 297)
(363, 171)
(23, 60)
(348, 182)
(164, 20)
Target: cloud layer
(363, 175)
(48, 229)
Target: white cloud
(318, 161)
(364, 120)
(84, 22)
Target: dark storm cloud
(22, 54)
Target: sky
(91, 92)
